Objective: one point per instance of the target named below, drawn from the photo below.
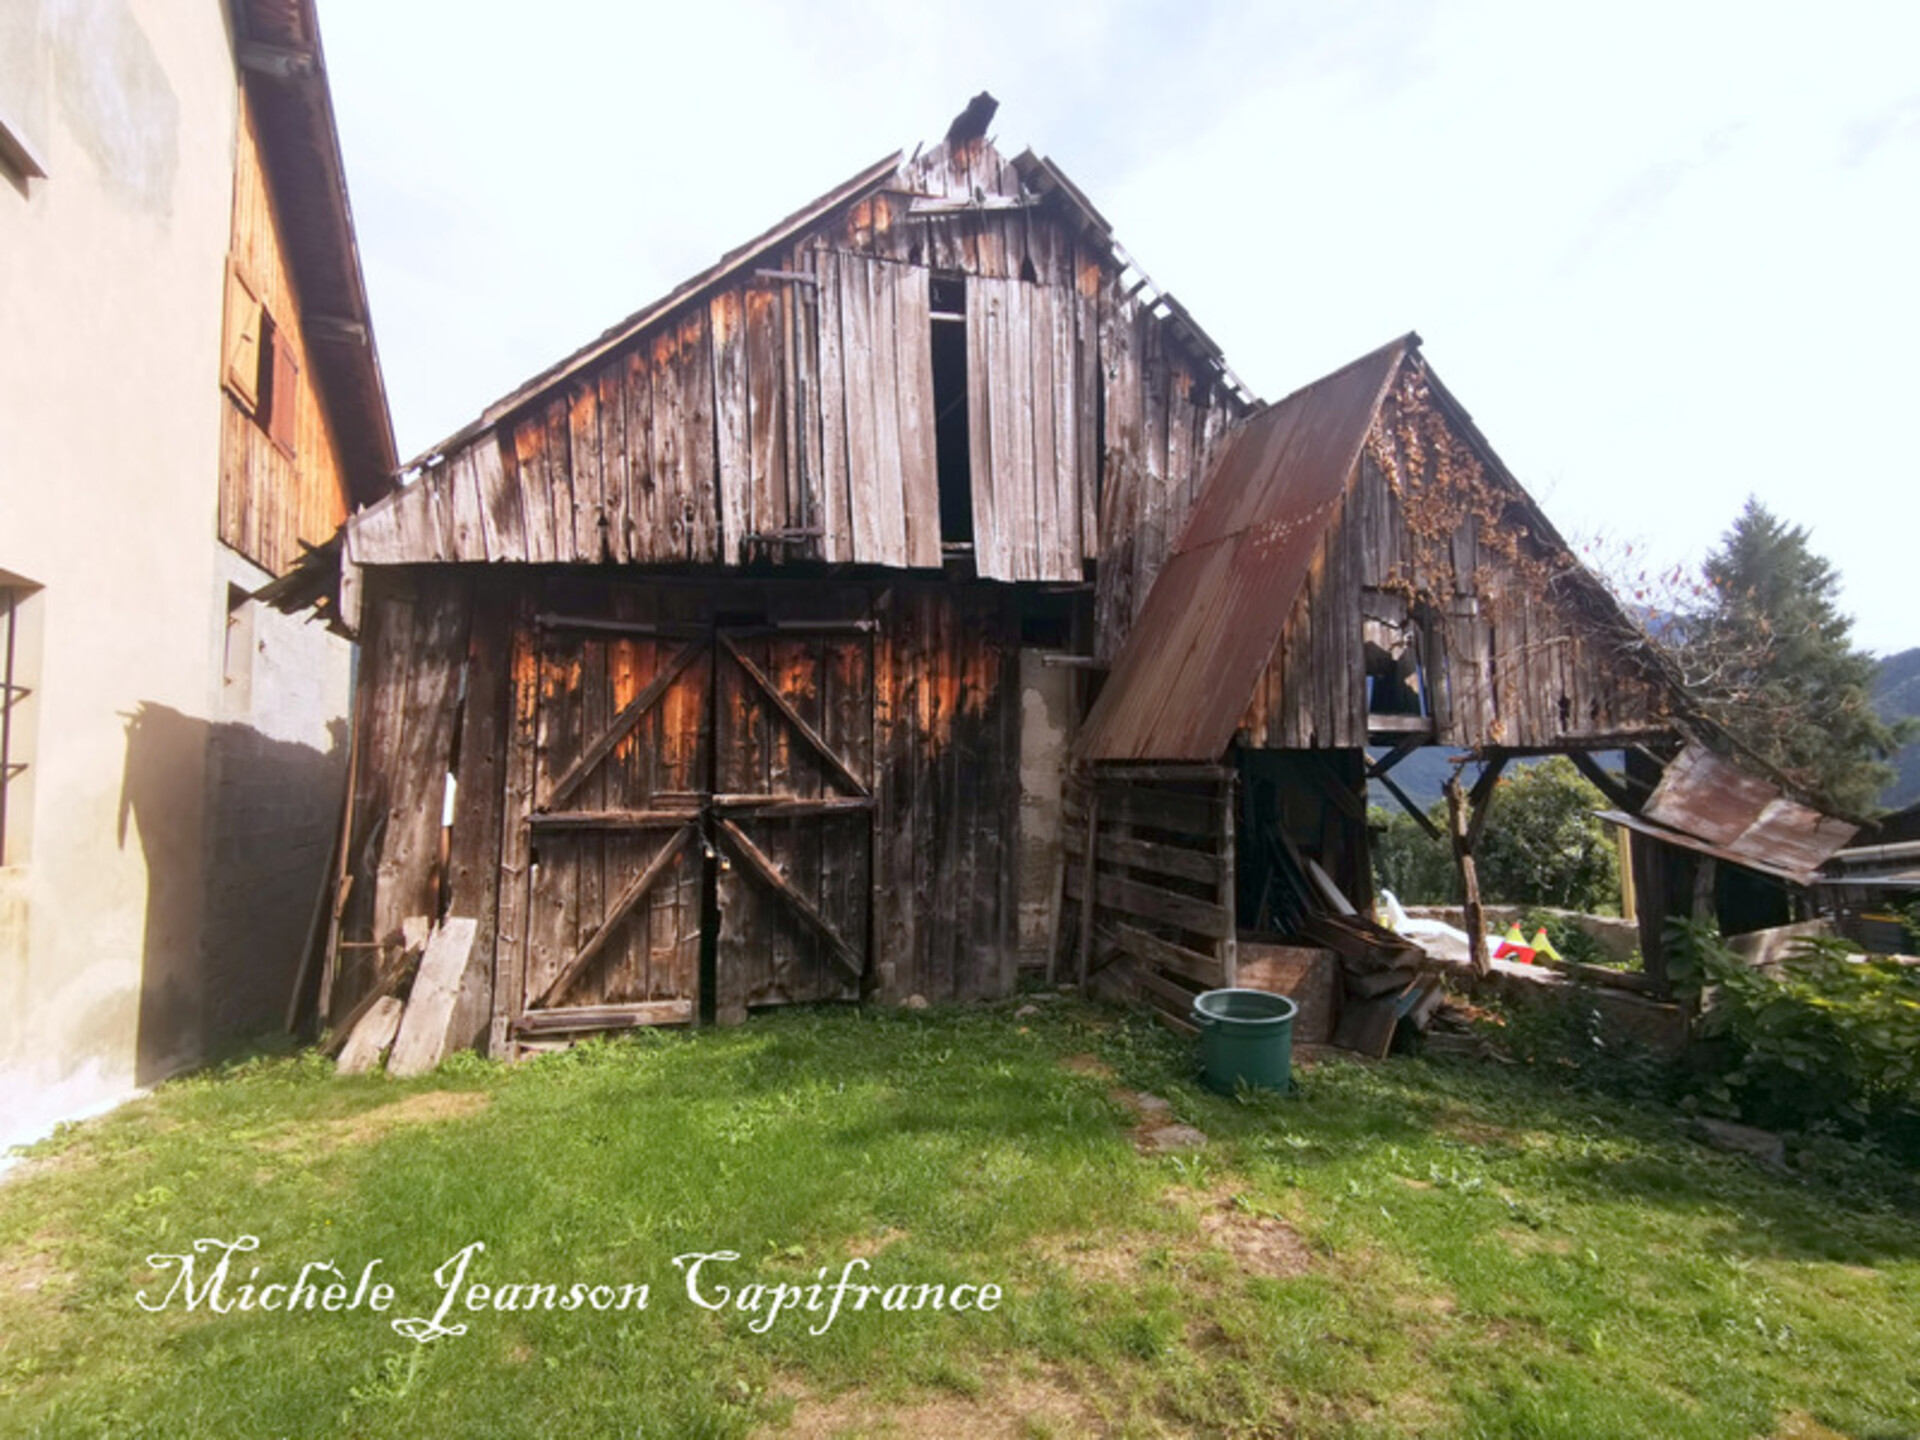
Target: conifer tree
(1771, 658)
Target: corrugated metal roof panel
(1742, 816)
(1640, 825)
(1217, 608)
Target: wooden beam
(370, 1038)
(619, 911)
(547, 620)
(1606, 784)
(777, 807)
(1420, 725)
(1201, 968)
(1087, 888)
(1480, 795)
(1471, 918)
(758, 861)
(1377, 769)
(275, 61)
(1406, 804)
(1171, 772)
(422, 1041)
(794, 718)
(611, 819)
(623, 723)
(1150, 902)
(1161, 859)
(575, 1019)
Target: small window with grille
(19, 687)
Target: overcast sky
(1664, 252)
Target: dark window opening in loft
(948, 301)
(1396, 682)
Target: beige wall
(110, 302)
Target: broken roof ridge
(1037, 174)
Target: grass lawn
(1410, 1248)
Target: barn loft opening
(948, 302)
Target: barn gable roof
(944, 178)
(1208, 632)
(502, 488)
(1209, 625)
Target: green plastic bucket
(1245, 1035)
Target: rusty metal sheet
(1640, 825)
(1716, 801)
(1216, 610)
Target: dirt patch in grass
(1532, 1242)
(31, 1278)
(1257, 1242)
(1086, 1064)
(1261, 1243)
(1155, 1131)
(427, 1108)
(1798, 1425)
(424, 1109)
(865, 1247)
(1105, 1260)
(1013, 1408)
(1456, 1126)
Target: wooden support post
(1087, 886)
(1473, 921)
(1229, 881)
(1706, 876)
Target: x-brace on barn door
(673, 762)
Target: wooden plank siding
(281, 482)
(1427, 548)
(406, 709)
(787, 415)
(1163, 872)
(846, 752)
(946, 789)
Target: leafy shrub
(1564, 1035)
(1832, 1040)
(1544, 846)
(1411, 863)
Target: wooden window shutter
(240, 348)
(285, 384)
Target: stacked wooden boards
(1149, 881)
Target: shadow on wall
(228, 907)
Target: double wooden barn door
(696, 801)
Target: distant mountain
(1421, 775)
(1896, 693)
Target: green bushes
(1542, 846)
(1410, 862)
(1831, 1041)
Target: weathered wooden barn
(689, 668)
(1361, 576)
(732, 661)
